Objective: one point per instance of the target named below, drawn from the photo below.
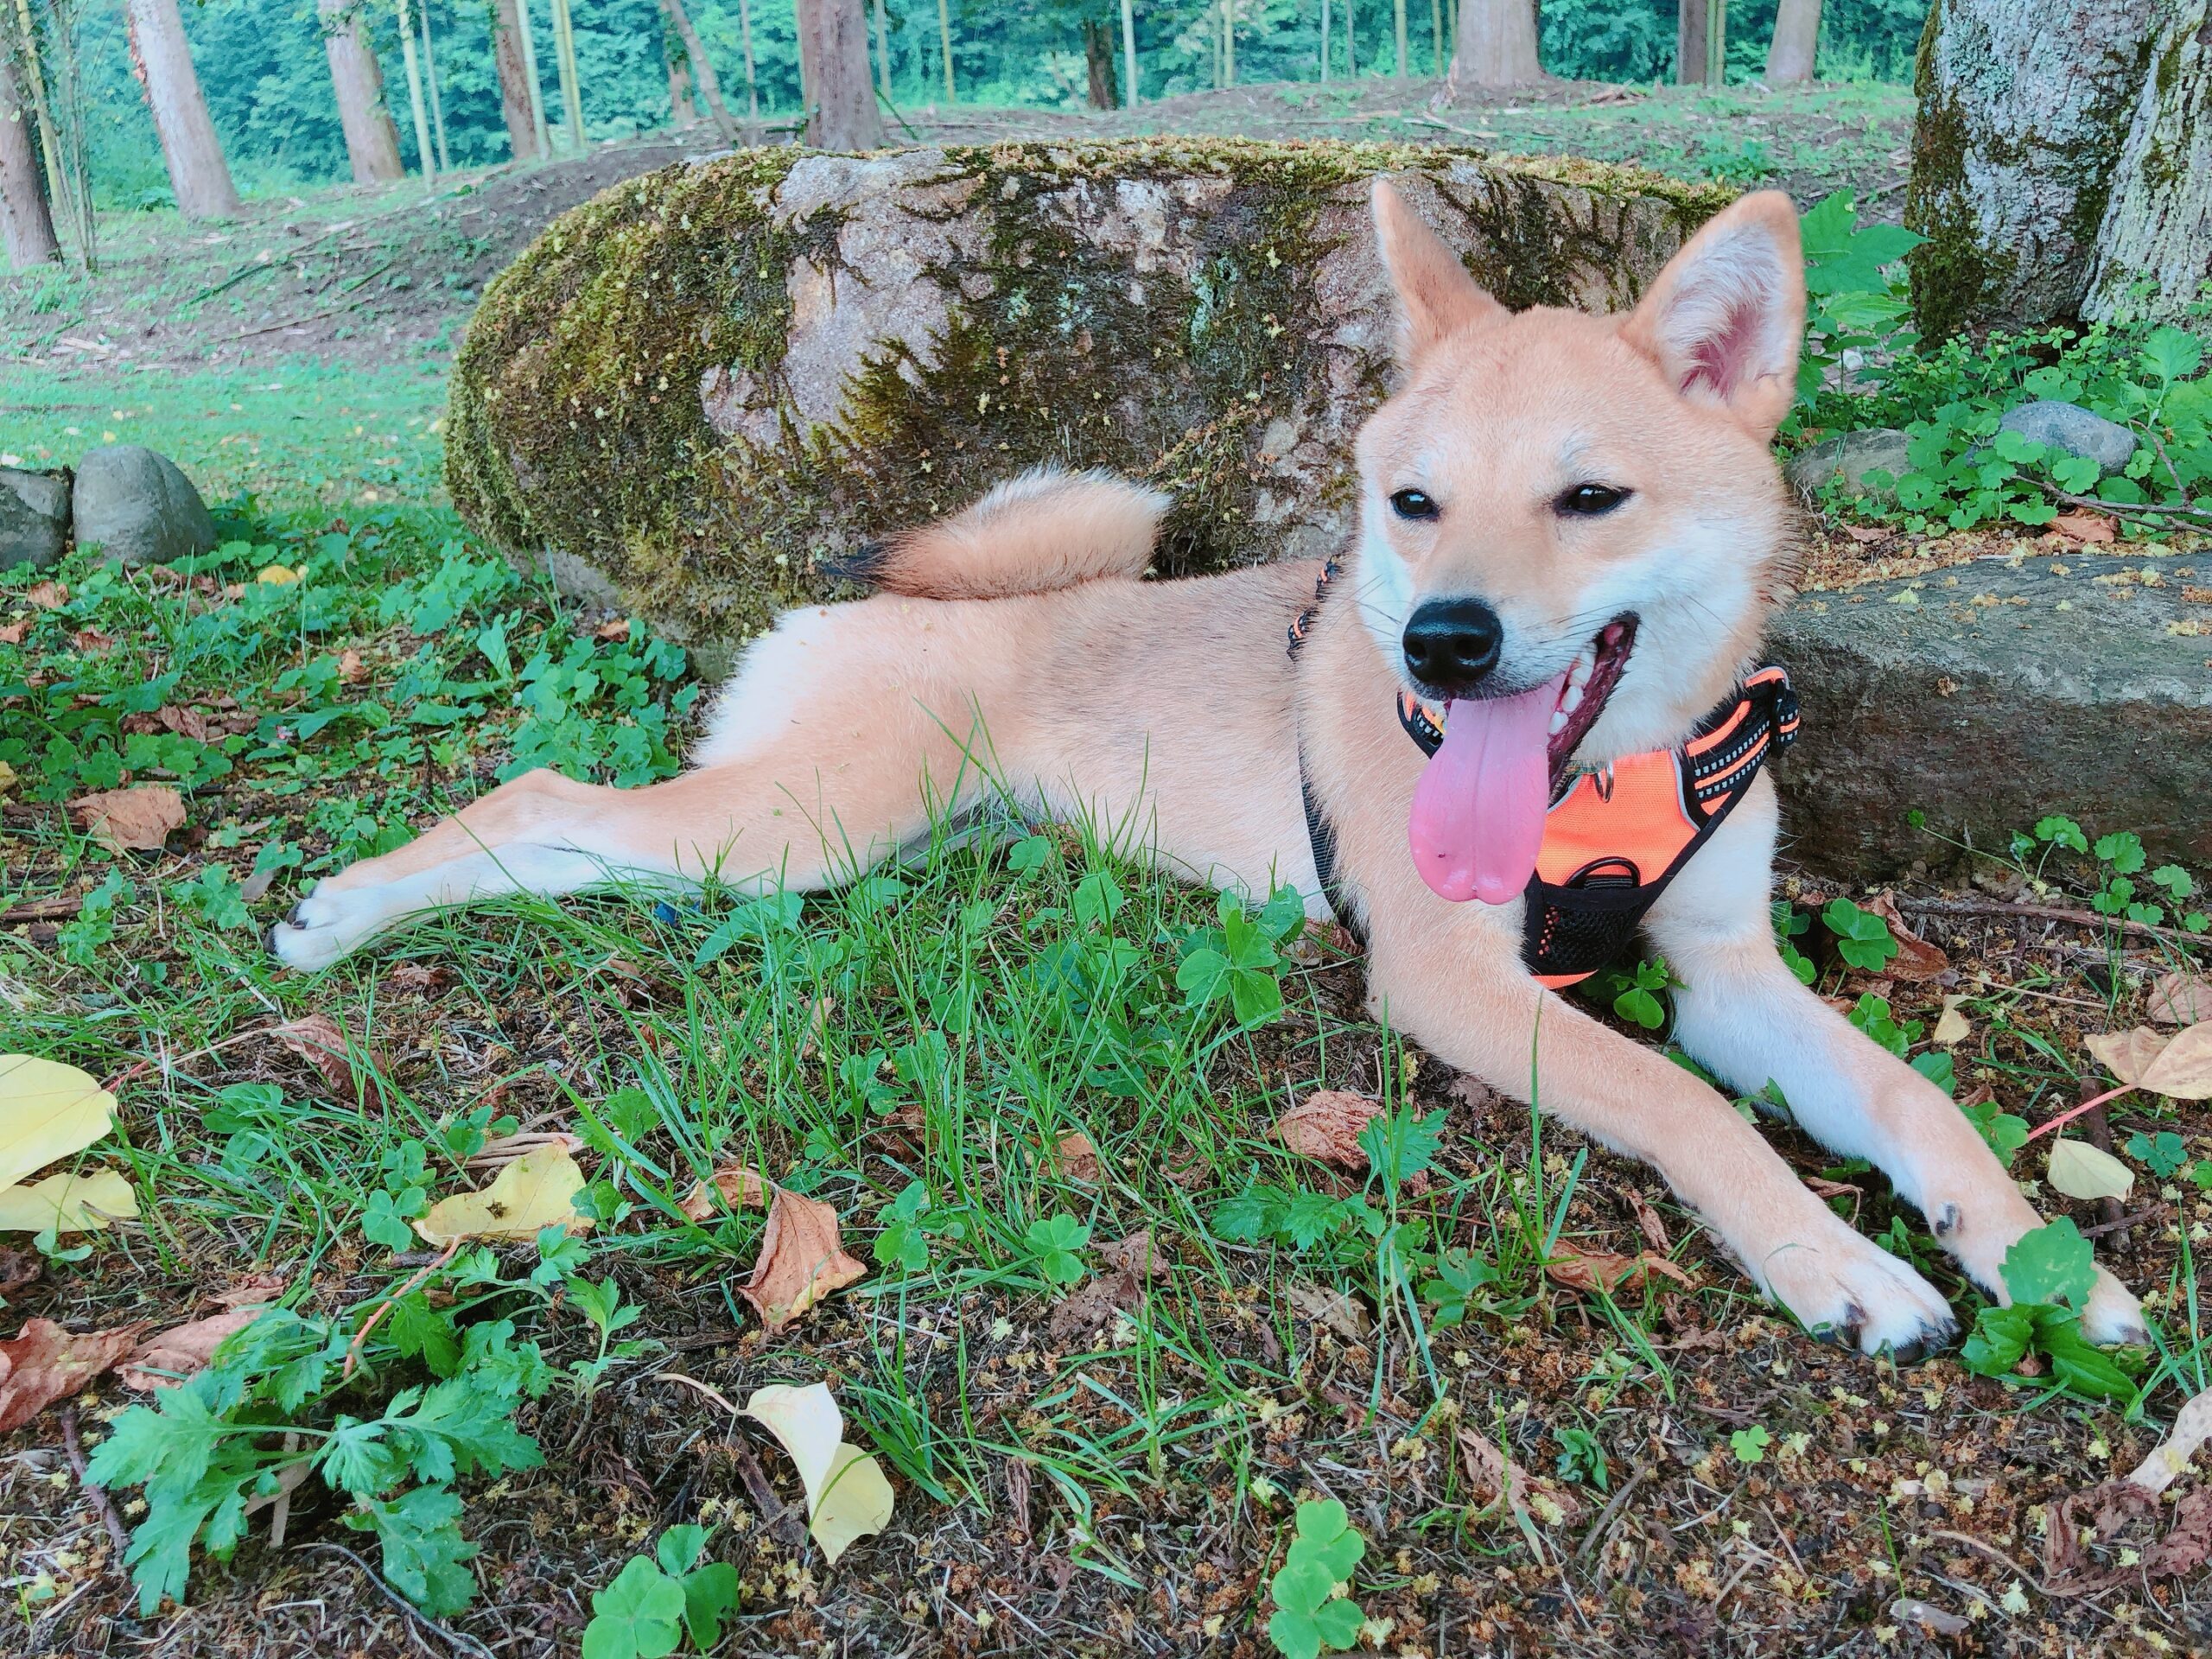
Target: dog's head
(1590, 501)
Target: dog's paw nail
(1946, 1221)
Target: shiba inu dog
(1520, 720)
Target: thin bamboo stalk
(430, 78)
(424, 152)
(530, 73)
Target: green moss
(577, 427)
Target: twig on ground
(452, 1638)
(353, 1348)
(1963, 905)
(2122, 1223)
(41, 910)
(97, 1497)
(2139, 511)
(1596, 1535)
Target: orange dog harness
(1615, 838)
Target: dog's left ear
(1727, 316)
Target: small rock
(136, 507)
(1851, 456)
(2070, 428)
(33, 518)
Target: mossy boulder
(694, 391)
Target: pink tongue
(1479, 810)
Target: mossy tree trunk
(2023, 108)
(1497, 46)
(2159, 223)
(693, 393)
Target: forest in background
(263, 68)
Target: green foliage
(2108, 867)
(1238, 959)
(2005, 1132)
(2049, 1274)
(1862, 938)
(1309, 1615)
(1055, 1244)
(1582, 1457)
(1749, 1444)
(1462, 1278)
(651, 1607)
(2163, 1153)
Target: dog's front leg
(1742, 1013)
(1483, 1015)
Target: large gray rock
(1851, 456)
(134, 506)
(33, 518)
(2072, 429)
(2002, 691)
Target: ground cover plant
(1178, 1305)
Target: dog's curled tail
(1043, 530)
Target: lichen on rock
(697, 389)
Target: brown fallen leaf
(1474, 1094)
(352, 670)
(320, 1041)
(139, 819)
(20, 1270)
(614, 628)
(2178, 1067)
(1498, 1475)
(2083, 527)
(171, 1355)
(255, 1290)
(1325, 1127)
(1648, 1222)
(417, 977)
(2124, 1519)
(1867, 535)
(1079, 1159)
(802, 1259)
(13, 633)
(504, 1149)
(732, 1186)
(1331, 1309)
(1908, 1610)
(1094, 1302)
(47, 595)
(2179, 998)
(91, 642)
(1916, 959)
(43, 1362)
(1587, 1270)
(1137, 1255)
(184, 722)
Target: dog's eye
(1413, 504)
(1589, 500)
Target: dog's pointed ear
(1435, 295)
(1727, 316)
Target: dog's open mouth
(1590, 683)
(1477, 827)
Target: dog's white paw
(324, 927)
(1845, 1287)
(2114, 1315)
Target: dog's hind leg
(1742, 1014)
(780, 816)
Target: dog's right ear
(1436, 296)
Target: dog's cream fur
(1014, 651)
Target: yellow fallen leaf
(1953, 1027)
(7, 777)
(847, 1497)
(47, 1110)
(2080, 1171)
(2192, 1427)
(538, 1190)
(68, 1204)
(277, 575)
(2183, 1068)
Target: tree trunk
(372, 141)
(2023, 107)
(430, 81)
(752, 80)
(1129, 52)
(703, 69)
(572, 91)
(26, 219)
(944, 34)
(514, 80)
(1497, 47)
(1796, 41)
(1098, 59)
(883, 54)
(198, 174)
(2158, 222)
(426, 158)
(533, 82)
(1702, 42)
(834, 62)
(681, 113)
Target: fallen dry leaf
(732, 1187)
(1137, 1254)
(504, 1149)
(1867, 535)
(2123, 1517)
(72, 1202)
(1325, 1127)
(48, 1112)
(2178, 1067)
(847, 1497)
(2083, 527)
(13, 633)
(20, 1269)
(171, 1355)
(184, 722)
(139, 819)
(1952, 1027)
(255, 1290)
(1581, 1269)
(2192, 1427)
(1908, 1610)
(352, 670)
(2080, 1171)
(43, 1362)
(1333, 1309)
(614, 628)
(1647, 1221)
(1079, 1159)
(320, 1041)
(538, 1190)
(2179, 998)
(1495, 1473)
(47, 595)
(417, 977)
(1916, 959)
(1094, 1302)
(802, 1259)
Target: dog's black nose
(1450, 643)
